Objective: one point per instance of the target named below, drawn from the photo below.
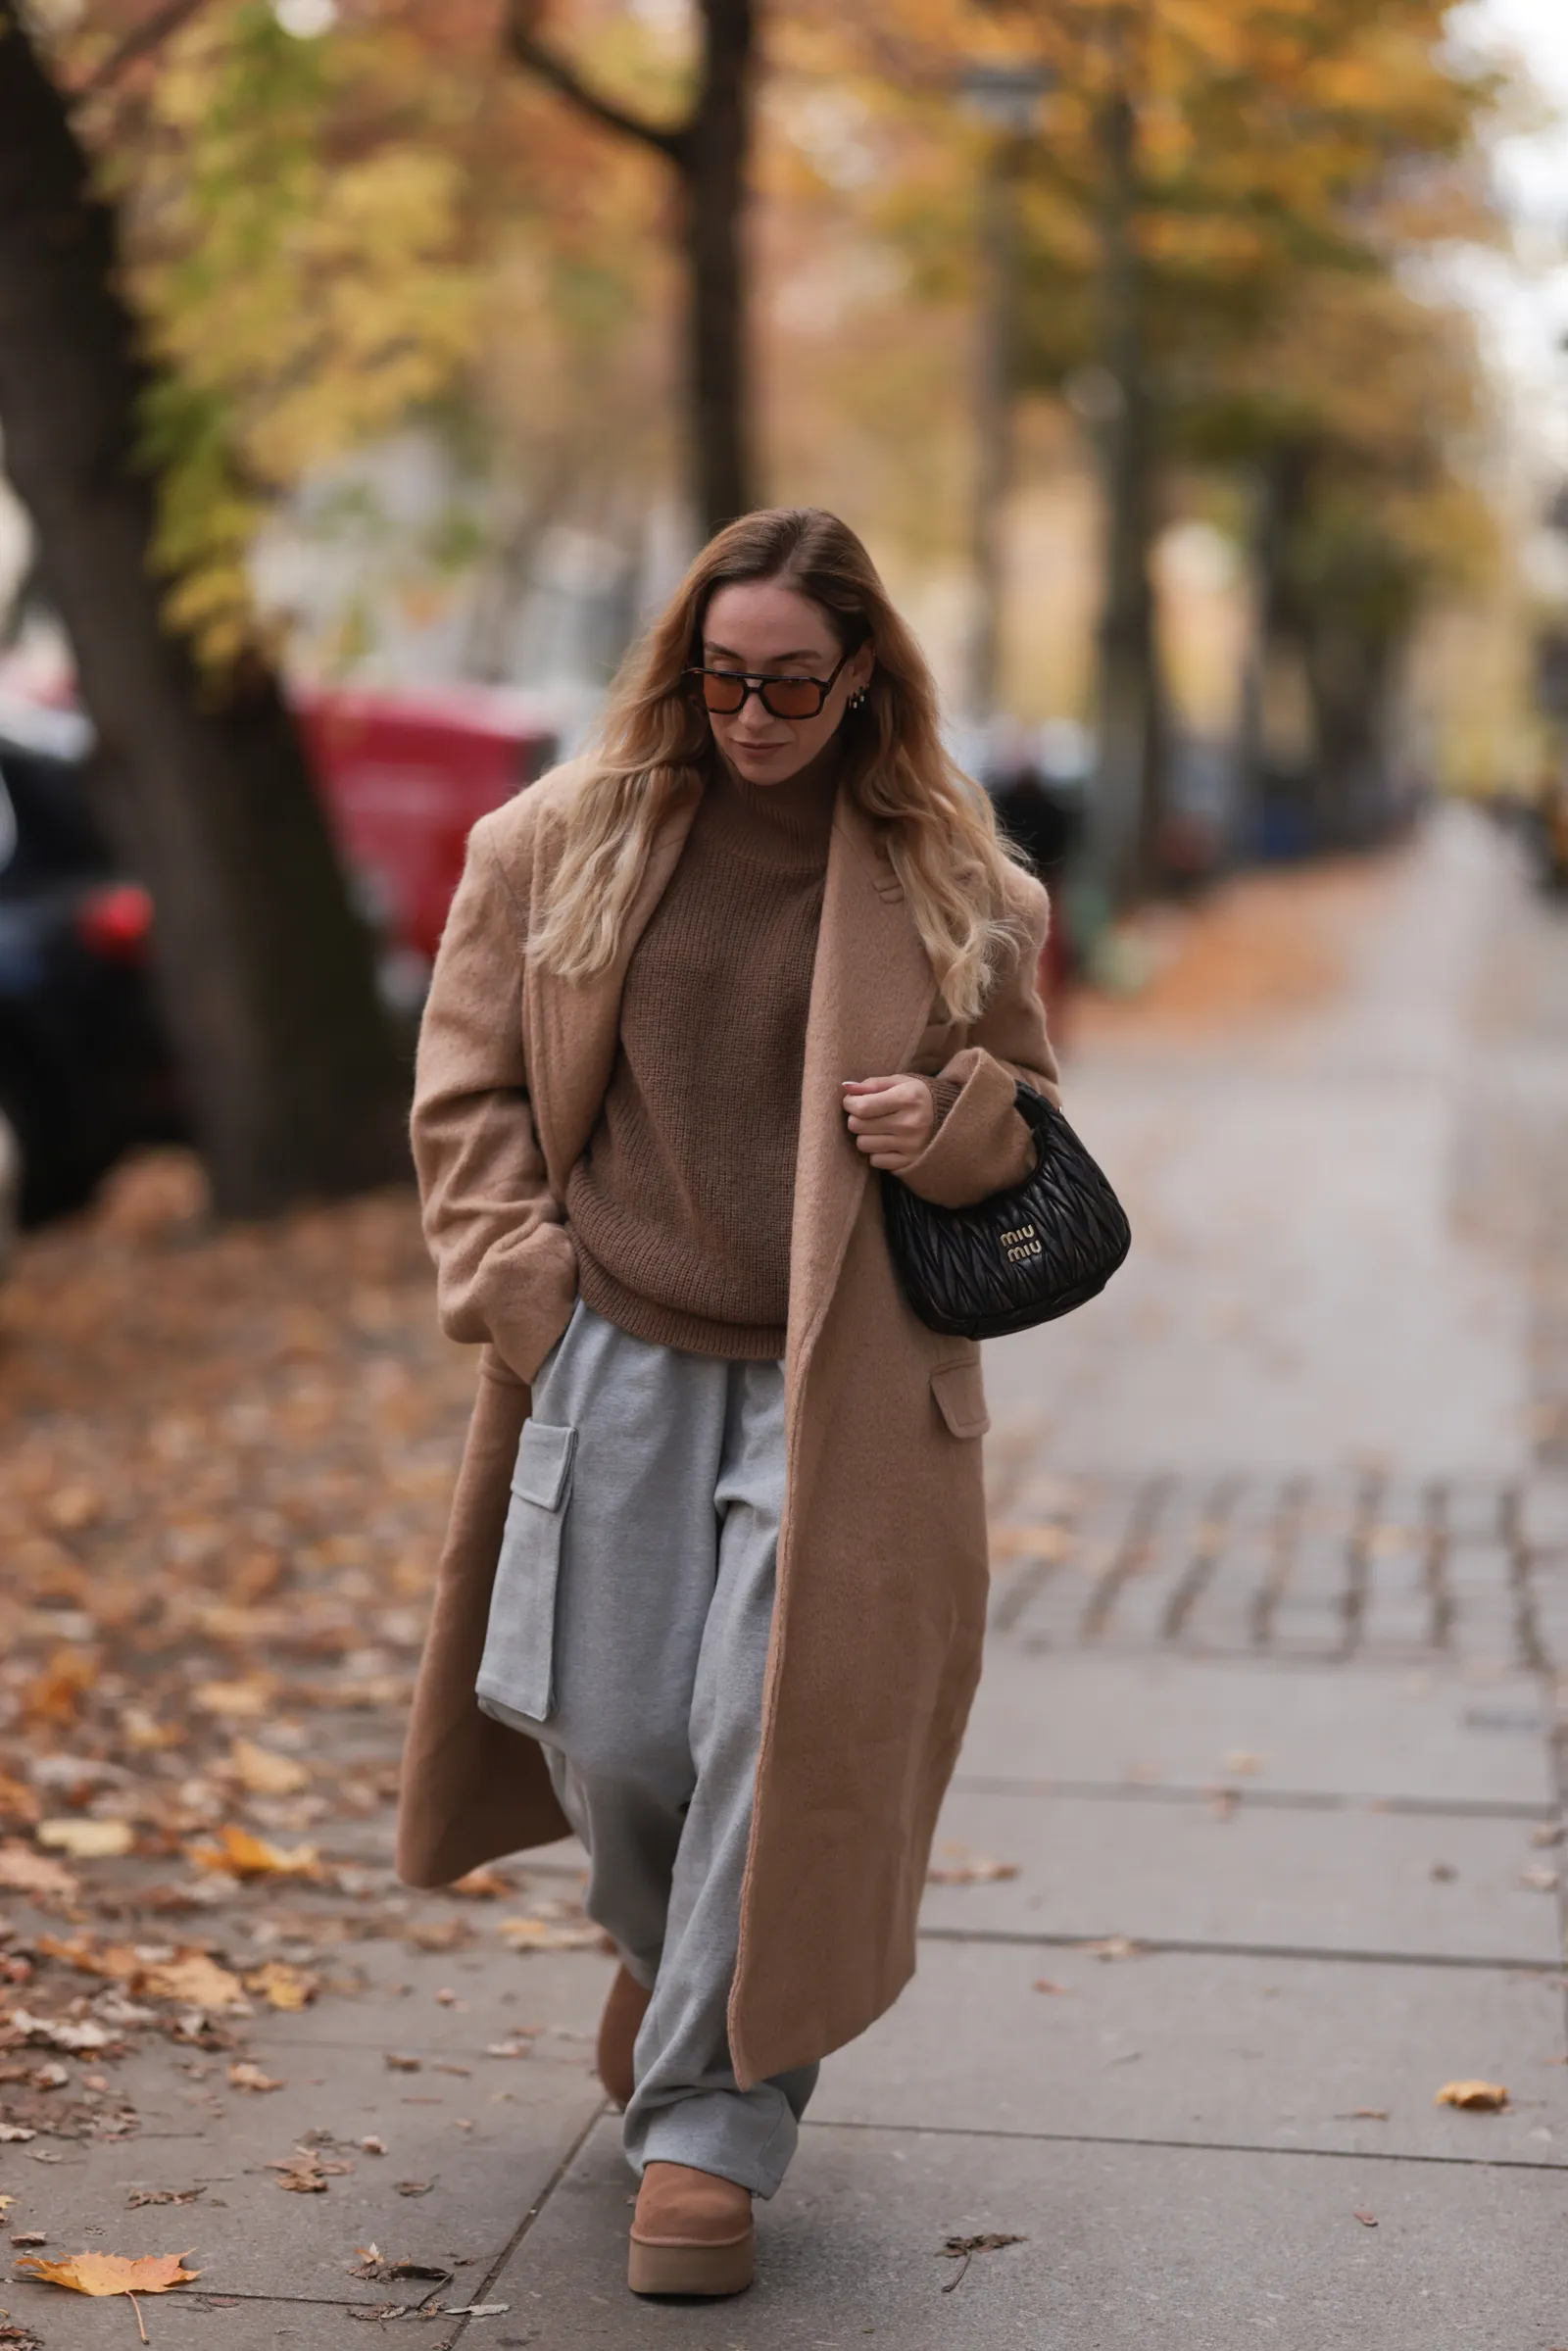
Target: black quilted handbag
(1022, 1256)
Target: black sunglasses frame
(758, 681)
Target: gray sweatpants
(629, 1633)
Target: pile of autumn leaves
(223, 1466)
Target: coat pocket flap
(961, 1395)
(544, 1464)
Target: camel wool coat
(882, 1565)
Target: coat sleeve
(981, 1143)
(505, 1269)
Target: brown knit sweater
(681, 1205)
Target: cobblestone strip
(1329, 1568)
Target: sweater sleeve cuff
(982, 1146)
(943, 1093)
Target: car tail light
(116, 922)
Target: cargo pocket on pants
(517, 1671)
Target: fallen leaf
(371, 2145)
(1474, 2097)
(377, 2269)
(963, 2248)
(1241, 1764)
(398, 2063)
(140, 2196)
(62, 2033)
(18, 2338)
(976, 1869)
(1364, 2114)
(194, 1977)
(438, 1934)
(413, 2187)
(548, 1934)
(306, 2172)
(18, 1802)
(26, 1872)
(1045, 1983)
(287, 1987)
(116, 1961)
(103, 2273)
(1112, 1947)
(264, 1774)
(1046, 1542)
(486, 1884)
(249, 1698)
(6, 2203)
(1539, 1881)
(1368, 2219)
(87, 1841)
(12, 2135)
(516, 2046)
(244, 2074)
(239, 1854)
(29, 2237)
(1550, 1833)
(476, 2310)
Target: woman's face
(764, 627)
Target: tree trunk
(266, 974)
(994, 380)
(713, 157)
(1124, 782)
(1278, 492)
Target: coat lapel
(872, 992)
(571, 1032)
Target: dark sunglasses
(727, 691)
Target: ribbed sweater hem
(667, 1326)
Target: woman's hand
(892, 1119)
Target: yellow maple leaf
(286, 1987)
(102, 2273)
(192, 1976)
(243, 1855)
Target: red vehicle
(404, 774)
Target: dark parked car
(85, 1069)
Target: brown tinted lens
(721, 693)
(792, 697)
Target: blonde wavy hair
(655, 744)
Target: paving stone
(252, 2237)
(1371, 1732)
(1274, 2053)
(1123, 2248)
(1331, 1880)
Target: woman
(718, 1561)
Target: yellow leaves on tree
(304, 280)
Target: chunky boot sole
(676, 2267)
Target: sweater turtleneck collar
(785, 824)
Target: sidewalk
(1253, 1842)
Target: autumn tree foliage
(1213, 182)
(266, 974)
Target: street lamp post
(1005, 97)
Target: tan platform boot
(618, 2028)
(691, 2234)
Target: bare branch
(538, 57)
(147, 36)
